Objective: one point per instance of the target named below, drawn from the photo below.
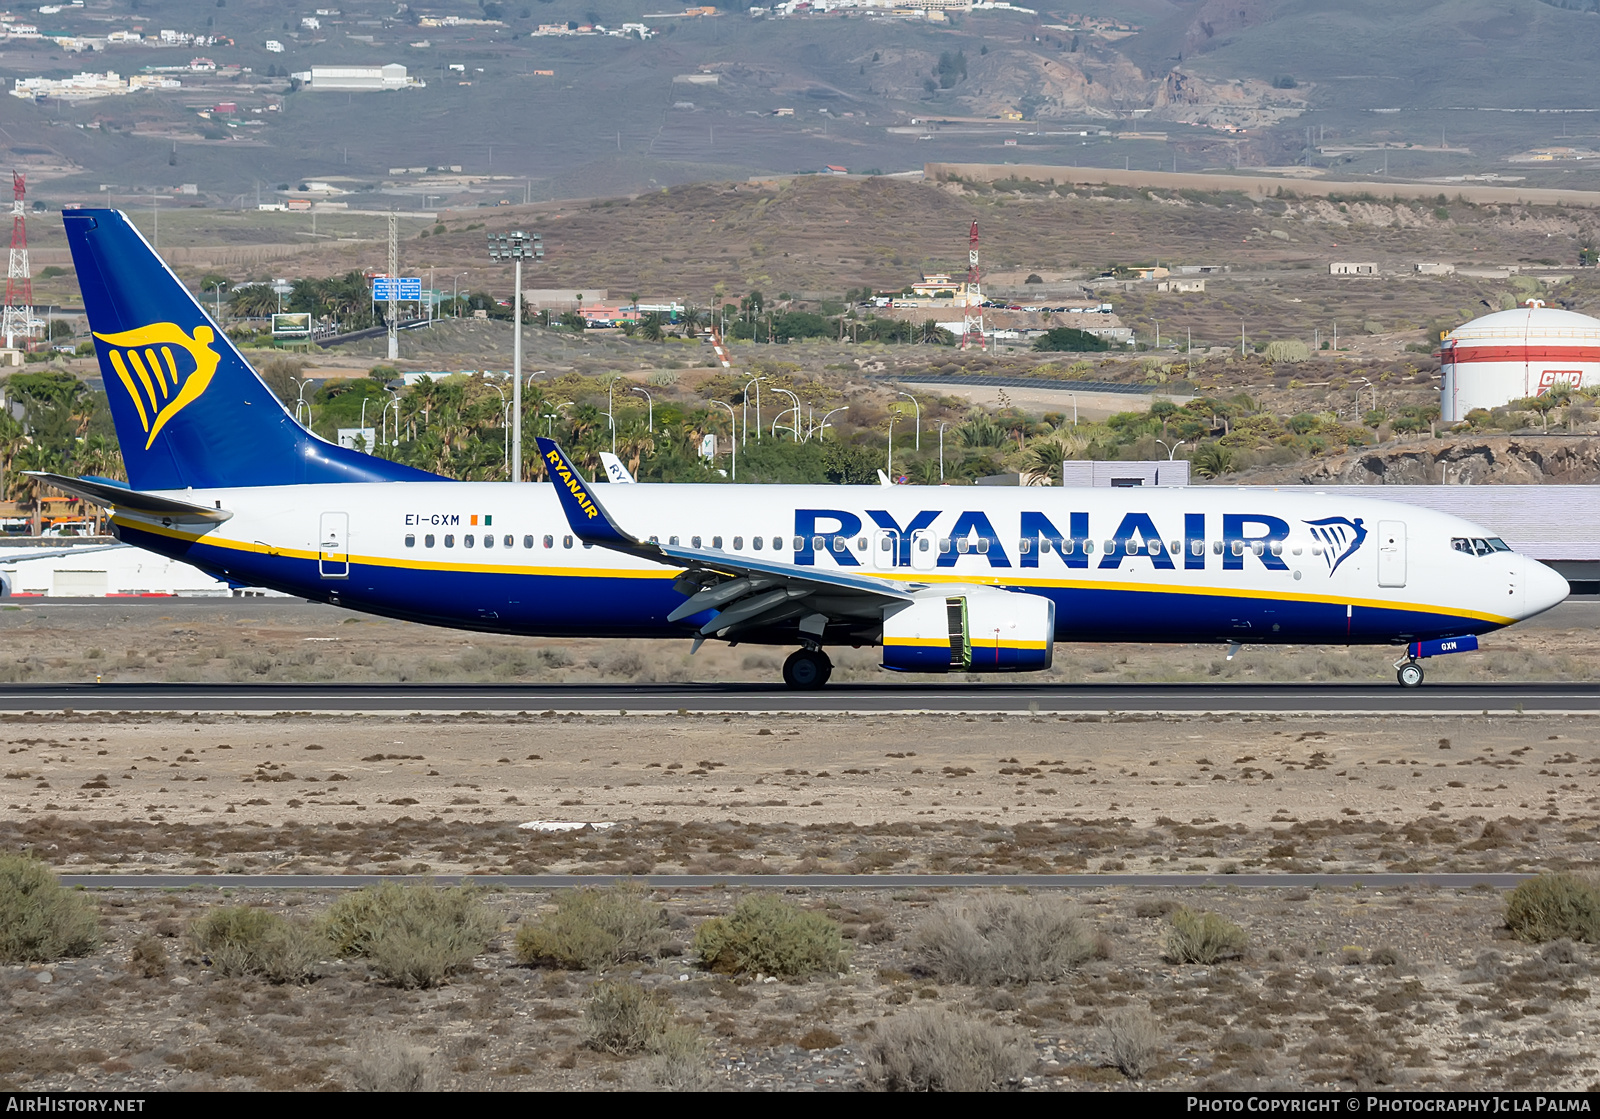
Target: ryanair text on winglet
(568, 476)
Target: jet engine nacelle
(970, 629)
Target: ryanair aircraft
(939, 579)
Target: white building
(102, 571)
(358, 79)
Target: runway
(796, 881)
(1064, 700)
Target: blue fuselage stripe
(601, 605)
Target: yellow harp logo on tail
(156, 378)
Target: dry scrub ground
(1340, 988)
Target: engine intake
(977, 629)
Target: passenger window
(839, 544)
(1068, 547)
(1024, 546)
(1216, 547)
(983, 546)
(922, 543)
(944, 543)
(1088, 547)
(449, 541)
(963, 545)
(466, 540)
(819, 544)
(757, 541)
(716, 542)
(488, 542)
(411, 540)
(427, 541)
(1277, 547)
(738, 543)
(509, 541)
(1153, 547)
(549, 541)
(694, 541)
(672, 541)
(527, 542)
(1197, 547)
(1174, 547)
(885, 545)
(1111, 547)
(1238, 547)
(1257, 547)
(566, 541)
(777, 543)
(1316, 549)
(861, 543)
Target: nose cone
(1542, 588)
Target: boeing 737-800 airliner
(940, 579)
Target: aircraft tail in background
(189, 410)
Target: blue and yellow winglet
(588, 520)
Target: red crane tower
(973, 297)
(18, 315)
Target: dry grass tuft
(997, 938)
(40, 920)
(1553, 906)
(390, 1065)
(415, 936)
(933, 1050)
(149, 957)
(243, 940)
(1135, 1040)
(595, 928)
(766, 934)
(1203, 938)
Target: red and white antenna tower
(18, 316)
(973, 334)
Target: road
(669, 699)
(794, 881)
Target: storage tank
(1514, 354)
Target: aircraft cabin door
(886, 549)
(924, 549)
(333, 546)
(1391, 553)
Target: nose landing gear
(807, 669)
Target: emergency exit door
(1391, 553)
(333, 546)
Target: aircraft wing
(112, 496)
(747, 592)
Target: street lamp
(942, 425)
(300, 402)
(517, 247)
(733, 440)
(455, 295)
(505, 427)
(219, 287)
(756, 381)
(650, 404)
(823, 426)
(1172, 450)
(611, 418)
(890, 470)
(796, 401)
(918, 407)
(550, 430)
(1374, 389)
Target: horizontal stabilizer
(110, 496)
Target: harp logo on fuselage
(163, 370)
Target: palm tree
(689, 322)
(652, 327)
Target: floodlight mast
(516, 247)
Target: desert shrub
(767, 934)
(1552, 906)
(414, 936)
(244, 940)
(933, 1050)
(623, 1018)
(595, 928)
(390, 1065)
(41, 920)
(677, 1061)
(1203, 938)
(998, 938)
(149, 957)
(1135, 1040)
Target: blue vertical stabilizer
(188, 408)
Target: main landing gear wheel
(807, 669)
(1409, 675)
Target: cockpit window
(1479, 546)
